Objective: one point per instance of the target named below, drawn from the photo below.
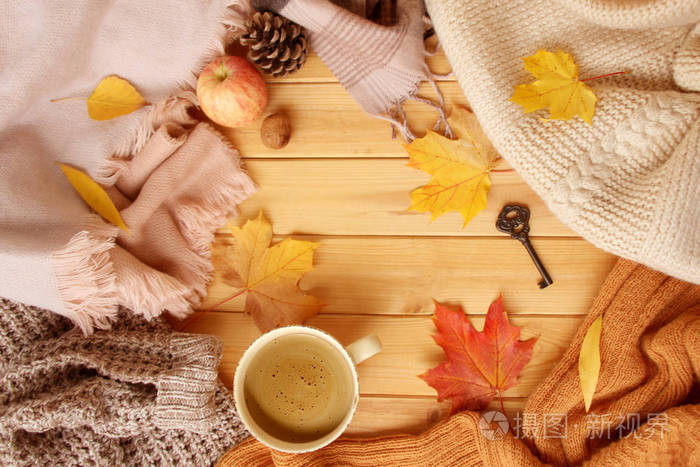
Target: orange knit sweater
(650, 362)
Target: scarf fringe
(147, 291)
(114, 277)
(398, 119)
(199, 219)
(92, 284)
(85, 276)
(396, 115)
(172, 112)
(230, 25)
(175, 107)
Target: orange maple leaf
(480, 365)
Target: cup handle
(363, 348)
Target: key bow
(513, 220)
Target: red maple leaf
(479, 365)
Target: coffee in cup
(296, 387)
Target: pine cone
(276, 45)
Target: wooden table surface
(343, 182)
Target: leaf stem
(503, 170)
(67, 99)
(605, 76)
(503, 409)
(199, 315)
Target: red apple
(231, 91)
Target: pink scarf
(175, 182)
(380, 66)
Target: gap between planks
(400, 316)
(372, 197)
(389, 416)
(326, 120)
(313, 93)
(426, 397)
(225, 237)
(408, 349)
(402, 276)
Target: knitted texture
(650, 360)
(629, 182)
(650, 354)
(138, 395)
(458, 442)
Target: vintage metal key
(513, 220)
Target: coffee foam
(298, 388)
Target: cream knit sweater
(629, 183)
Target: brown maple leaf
(269, 274)
(479, 365)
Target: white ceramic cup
(353, 354)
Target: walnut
(275, 131)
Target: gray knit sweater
(139, 394)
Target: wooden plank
(408, 350)
(403, 275)
(380, 416)
(372, 197)
(327, 122)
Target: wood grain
(342, 181)
(403, 275)
(327, 122)
(408, 350)
(371, 197)
(379, 416)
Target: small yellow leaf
(557, 87)
(589, 361)
(251, 241)
(290, 259)
(468, 197)
(94, 196)
(460, 176)
(113, 97)
(469, 132)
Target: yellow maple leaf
(468, 131)
(113, 97)
(557, 87)
(269, 274)
(94, 195)
(459, 168)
